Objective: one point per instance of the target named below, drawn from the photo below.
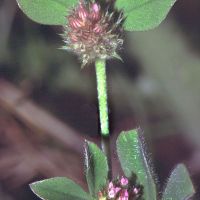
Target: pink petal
(124, 181)
(117, 189)
(110, 186)
(95, 7)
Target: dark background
(48, 105)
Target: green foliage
(96, 168)
(179, 185)
(141, 14)
(59, 189)
(144, 14)
(133, 160)
(51, 12)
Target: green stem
(102, 96)
(103, 110)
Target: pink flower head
(124, 181)
(94, 30)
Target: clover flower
(93, 31)
(121, 189)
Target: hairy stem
(102, 96)
(103, 108)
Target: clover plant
(94, 31)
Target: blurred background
(48, 105)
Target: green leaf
(59, 188)
(179, 185)
(144, 14)
(96, 168)
(51, 12)
(133, 159)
